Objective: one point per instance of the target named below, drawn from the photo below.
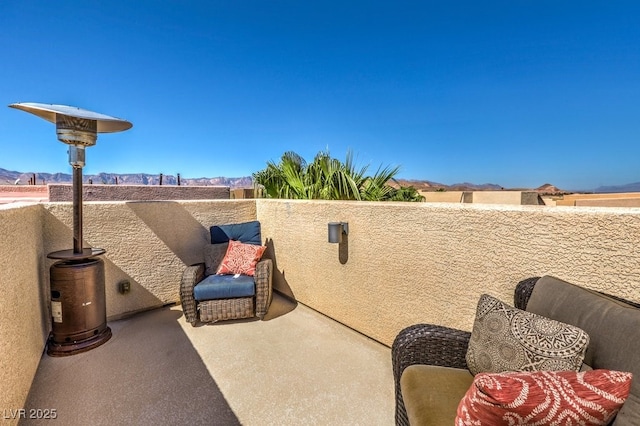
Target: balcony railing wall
(148, 244)
(400, 264)
(23, 319)
(426, 262)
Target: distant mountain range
(8, 177)
(426, 185)
(630, 187)
(423, 185)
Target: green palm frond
(327, 178)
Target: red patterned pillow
(241, 258)
(544, 397)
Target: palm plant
(405, 193)
(325, 178)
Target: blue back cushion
(247, 232)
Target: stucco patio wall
(64, 192)
(423, 262)
(23, 322)
(401, 263)
(147, 243)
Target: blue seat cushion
(224, 287)
(246, 232)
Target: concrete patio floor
(297, 367)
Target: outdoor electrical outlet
(124, 287)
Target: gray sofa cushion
(613, 328)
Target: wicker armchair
(227, 304)
(437, 345)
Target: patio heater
(78, 305)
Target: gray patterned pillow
(505, 338)
(213, 255)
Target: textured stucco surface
(401, 263)
(23, 319)
(482, 197)
(420, 262)
(148, 243)
(443, 197)
(599, 200)
(64, 192)
(505, 197)
(37, 189)
(611, 202)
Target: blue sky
(516, 93)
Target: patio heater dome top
(49, 112)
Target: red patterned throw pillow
(544, 398)
(241, 258)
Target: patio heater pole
(77, 210)
(78, 305)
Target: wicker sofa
(440, 378)
(224, 304)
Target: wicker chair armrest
(264, 282)
(191, 276)
(426, 344)
(523, 292)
